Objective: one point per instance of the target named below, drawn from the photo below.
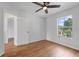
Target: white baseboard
(1, 53)
(28, 42)
(64, 44)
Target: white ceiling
(31, 8)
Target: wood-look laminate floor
(9, 47)
(41, 48)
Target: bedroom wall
(52, 27)
(31, 28)
(1, 32)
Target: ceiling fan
(45, 6)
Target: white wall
(31, 28)
(52, 27)
(1, 33)
(39, 29)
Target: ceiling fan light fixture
(44, 8)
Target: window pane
(64, 26)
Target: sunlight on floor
(59, 52)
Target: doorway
(10, 33)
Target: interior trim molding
(30, 43)
(64, 45)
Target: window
(64, 27)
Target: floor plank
(42, 48)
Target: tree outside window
(64, 25)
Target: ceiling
(31, 8)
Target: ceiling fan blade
(46, 3)
(53, 6)
(46, 11)
(38, 4)
(38, 10)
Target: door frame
(6, 16)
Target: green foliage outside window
(68, 27)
